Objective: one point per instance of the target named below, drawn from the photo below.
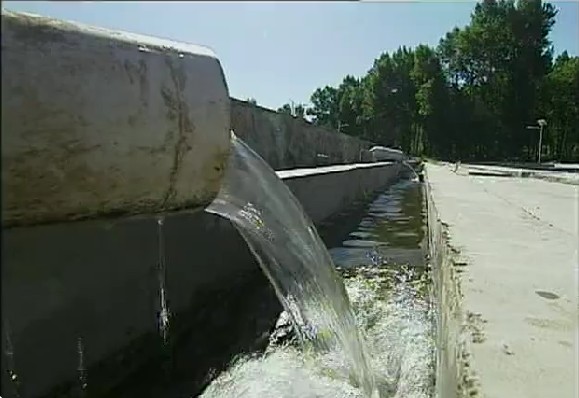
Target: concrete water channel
(115, 283)
(114, 280)
(386, 230)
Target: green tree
(350, 97)
(292, 109)
(472, 96)
(559, 105)
(285, 108)
(325, 107)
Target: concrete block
(98, 122)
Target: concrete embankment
(504, 252)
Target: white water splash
(294, 259)
(396, 318)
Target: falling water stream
(296, 262)
(414, 173)
(368, 338)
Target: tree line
(473, 97)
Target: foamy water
(366, 332)
(296, 262)
(392, 309)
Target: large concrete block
(96, 122)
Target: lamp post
(541, 124)
(340, 125)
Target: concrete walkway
(553, 175)
(519, 237)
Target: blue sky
(276, 52)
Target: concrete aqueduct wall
(286, 142)
(97, 122)
(104, 134)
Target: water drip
(164, 314)
(10, 363)
(82, 372)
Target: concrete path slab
(519, 237)
(556, 174)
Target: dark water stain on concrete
(547, 295)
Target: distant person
(456, 166)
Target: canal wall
(288, 142)
(100, 280)
(454, 378)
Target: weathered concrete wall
(96, 122)
(99, 281)
(453, 378)
(286, 142)
(324, 191)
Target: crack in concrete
(183, 127)
(525, 211)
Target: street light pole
(540, 144)
(542, 123)
(340, 125)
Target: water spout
(416, 176)
(294, 259)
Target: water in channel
(362, 329)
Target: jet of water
(294, 259)
(416, 177)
